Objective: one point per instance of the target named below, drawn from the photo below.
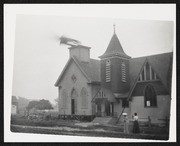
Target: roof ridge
(78, 63)
(88, 68)
(153, 55)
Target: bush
(20, 120)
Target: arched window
(74, 94)
(64, 99)
(108, 71)
(84, 98)
(150, 96)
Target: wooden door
(72, 107)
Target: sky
(39, 58)
(34, 58)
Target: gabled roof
(107, 95)
(90, 70)
(114, 48)
(135, 67)
(161, 64)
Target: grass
(19, 120)
(113, 131)
(86, 133)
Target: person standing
(126, 123)
(135, 124)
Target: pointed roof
(90, 70)
(108, 95)
(160, 63)
(114, 48)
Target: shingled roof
(161, 64)
(114, 48)
(135, 66)
(92, 69)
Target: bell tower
(115, 67)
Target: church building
(115, 84)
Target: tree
(32, 104)
(40, 105)
(22, 103)
(44, 104)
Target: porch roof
(105, 94)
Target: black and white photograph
(90, 77)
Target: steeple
(115, 67)
(114, 28)
(114, 48)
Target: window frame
(108, 71)
(64, 97)
(84, 98)
(123, 72)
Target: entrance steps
(105, 120)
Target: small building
(115, 84)
(14, 105)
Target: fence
(87, 118)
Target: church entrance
(104, 108)
(72, 107)
(98, 110)
(107, 109)
(74, 96)
(104, 100)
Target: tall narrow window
(147, 73)
(108, 71)
(140, 77)
(64, 99)
(150, 96)
(84, 98)
(123, 68)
